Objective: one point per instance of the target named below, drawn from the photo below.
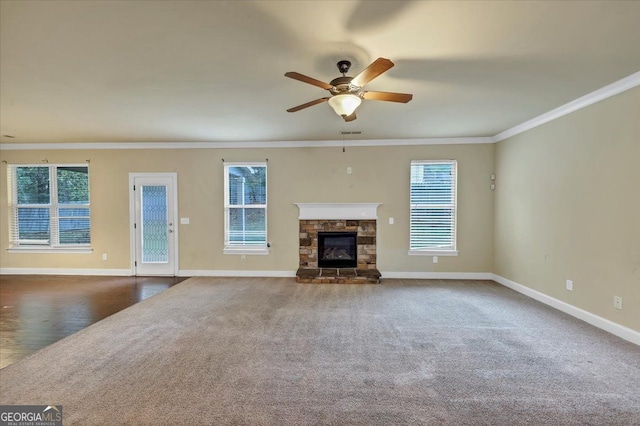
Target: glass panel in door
(154, 224)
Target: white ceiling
(159, 71)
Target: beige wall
(567, 206)
(380, 174)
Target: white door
(154, 237)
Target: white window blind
(49, 206)
(433, 206)
(245, 228)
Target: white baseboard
(62, 271)
(438, 275)
(243, 273)
(234, 273)
(602, 323)
(292, 274)
(289, 274)
(128, 272)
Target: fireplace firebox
(337, 249)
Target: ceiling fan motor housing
(342, 85)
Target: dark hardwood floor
(36, 311)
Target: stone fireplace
(338, 243)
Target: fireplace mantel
(332, 211)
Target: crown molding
(605, 92)
(236, 145)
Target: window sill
(47, 249)
(433, 252)
(247, 250)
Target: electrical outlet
(104, 256)
(243, 258)
(617, 302)
(435, 259)
(391, 221)
(569, 285)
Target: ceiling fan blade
(378, 66)
(350, 117)
(308, 104)
(305, 79)
(388, 96)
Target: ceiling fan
(346, 92)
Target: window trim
(437, 251)
(429, 252)
(53, 245)
(245, 249)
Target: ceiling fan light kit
(347, 93)
(345, 104)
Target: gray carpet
(269, 351)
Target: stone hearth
(338, 276)
(359, 218)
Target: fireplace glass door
(337, 249)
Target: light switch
(390, 221)
(184, 221)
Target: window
(245, 215)
(433, 207)
(49, 207)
